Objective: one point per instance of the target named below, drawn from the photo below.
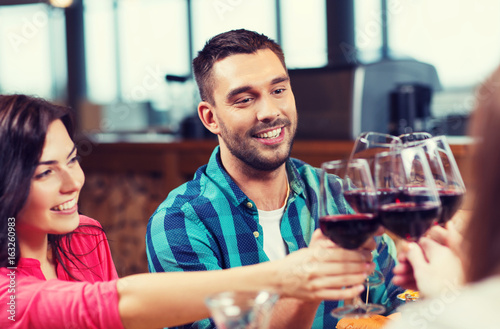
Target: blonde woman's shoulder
(475, 306)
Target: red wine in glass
(361, 201)
(451, 188)
(450, 202)
(409, 220)
(349, 231)
(388, 195)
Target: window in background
(100, 51)
(213, 17)
(368, 29)
(32, 51)
(460, 38)
(303, 33)
(131, 47)
(153, 42)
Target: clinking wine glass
(413, 203)
(357, 223)
(451, 187)
(368, 144)
(414, 137)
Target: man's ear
(207, 117)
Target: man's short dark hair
(224, 45)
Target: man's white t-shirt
(274, 246)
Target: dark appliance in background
(340, 103)
(190, 126)
(410, 108)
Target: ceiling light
(61, 3)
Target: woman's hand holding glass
(438, 258)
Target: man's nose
(268, 109)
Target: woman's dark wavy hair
(24, 122)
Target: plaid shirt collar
(216, 171)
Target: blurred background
(109, 59)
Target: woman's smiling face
(51, 207)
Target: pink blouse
(28, 300)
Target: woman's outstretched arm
(310, 274)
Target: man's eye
(279, 91)
(244, 100)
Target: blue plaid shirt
(210, 224)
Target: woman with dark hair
(56, 269)
(462, 273)
(20, 152)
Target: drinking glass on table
(451, 187)
(356, 225)
(412, 203)
(242, 309)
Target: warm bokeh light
(61, 3)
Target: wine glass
(413, 203)
(368, 144)
(451, 188)
(414, 137)
(242, 309)
(350, 228)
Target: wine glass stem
(367, 291)
(357, 302)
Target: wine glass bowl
(408, 199)
(414, 137)
(369, 144)
(352, 179)
(447, 177)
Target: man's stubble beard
(249, 154)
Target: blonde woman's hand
(436, 268)
(448, 237)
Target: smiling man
(251, 203)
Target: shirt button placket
(256, 234)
